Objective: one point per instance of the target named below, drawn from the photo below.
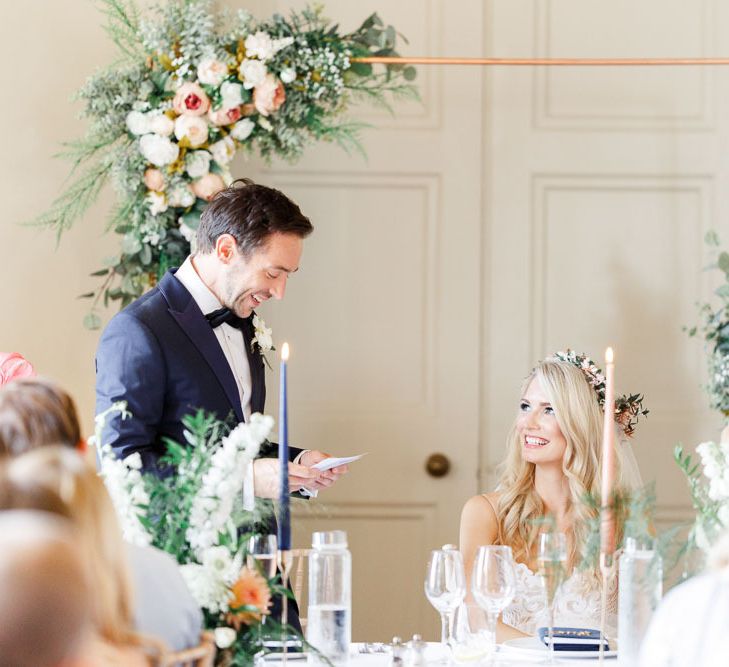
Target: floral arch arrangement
(191, 89)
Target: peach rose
(191, 99)
(224, 116)
(154, 179)
(208, 186)
(193, 128)
(269, 95)
(14, 366)
(251, 590)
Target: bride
(553, 462)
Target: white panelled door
(383, 318)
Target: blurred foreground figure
(45, 604)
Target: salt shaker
(416, 652)
(398, 651)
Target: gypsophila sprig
(193, 87)
(198, 516)
(628, 408)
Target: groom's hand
(327, 477)
(267, 481)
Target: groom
(190, 343)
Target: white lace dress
(576, 605)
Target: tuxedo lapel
(258, 372)
(186, 313)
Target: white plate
(533, 646)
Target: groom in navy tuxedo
(190, 343)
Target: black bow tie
(225, 316)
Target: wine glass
(493, 583)
(445, 588)
(262, 554)
(552, 563)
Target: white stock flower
(263, 334)
(138, 123)
(242, 129)
(158, 150)
(253, 72)
(259, 45)
(288, 75)
(197, 163)
(224, 637)
(161, 124)
(218, 560)
(232, 94)
(209, 590)
(223, 150)
(157, 202)
(211, 72)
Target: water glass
(445, 588)
(262, 554)
(493, 583)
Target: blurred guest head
(35, 412)
(45, 601)
(59, 480)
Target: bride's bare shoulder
(478, 518)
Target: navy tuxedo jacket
(161, 356)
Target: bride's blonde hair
(580, 418)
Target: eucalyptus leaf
(92, 321)
(712, 238)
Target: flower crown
(628, 409)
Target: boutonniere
(262, 338)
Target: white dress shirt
(230, 339)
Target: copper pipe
(579, 62)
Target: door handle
(437, 465)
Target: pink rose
(208, 186)
(191, 99)
(154, 179)
(269, 95)
(14, 366)
(224, 116)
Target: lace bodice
(577, 603)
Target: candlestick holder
(285, 561)
(607, 569)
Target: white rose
(242, 129)
(181, 195)
(231, 94)
(253, 72)
(161, 124)
(224, 637)
(197, 163)
(223, 150)
(259, 45)
(194, 128)
(211, 72)
(138, 123)
(157, 203)
(288, 75)
(160, 151)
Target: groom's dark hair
(250, 213)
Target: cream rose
(269, 95)
(191, 99)
(157, 203)
(181, 195)
(161, 124)
(223, 151)
(197, 163)
(192, 128)
(208, 186)
(138, 123)
(232, 94)
(224, 116)
(154, 179)
(211, 72)
(160, 151)
(242, 129)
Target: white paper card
(328, 464)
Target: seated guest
(45, 606)
(35, 413)
(58, 480)
(690, 625)
(553, 462)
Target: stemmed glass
(552, 562)
(445, 588)
(262, 554)
(493, 583)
